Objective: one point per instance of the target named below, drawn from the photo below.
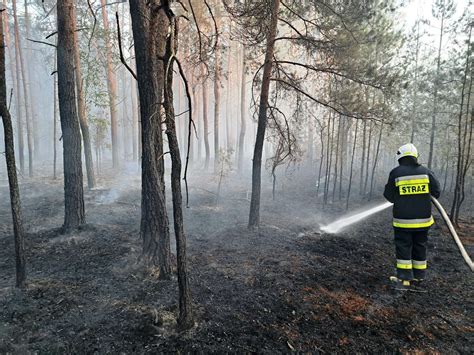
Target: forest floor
(284, 287)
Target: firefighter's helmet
(407, 150)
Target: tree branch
(122, 59)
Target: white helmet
(407, 150)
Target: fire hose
(453, 233)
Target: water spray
(346, 221)
(343, 222)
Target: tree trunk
(254, 216)
(336, 164)
(243, 114)
(217, 106)
(30, 74)
(55, 124)
(81, 108)
(190, 138)
(112, 88)
(342, 160)
(150, 29)
(329, 157)
(415, 86)
(372, 179)
(321, 160)
(185, 320)
(435, 96)
(11, 169)
(367, 161)
(16, 91)
(206, 124)
(228, 106)
(73, 189)
(352, 165)
(135, 119)
(362, 165)
(196, 112)
(460, 169)
(19, 55)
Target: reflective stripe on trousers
(404, 264)
(413, 223)
(420, 265)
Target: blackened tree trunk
(150, 28)
(185, 320)
(254, 217)
(73, 186)
(81, 107)
(11, 169)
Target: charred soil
(282, 288)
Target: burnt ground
(284, 287)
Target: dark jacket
(409, 188)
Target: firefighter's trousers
(410, 247)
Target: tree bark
(30, 74)
(81, 108)
(367, 161)
(243, 113)
(112, 88)
(228, 107)
(135, 119)
(415, 86)
(336, 164)
(435, 96)
(150, 27)
(321, 135)
(352, 165)
(217, 106)
(362, 165)
(460, 169)
(16, 93)
(185, 320)
(55, 124)
(73, 185)
(372, 178)
(206, 124)
(11, 169)
(254, 216)
(20, 62)
(329, 157)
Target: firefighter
(409, 188)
